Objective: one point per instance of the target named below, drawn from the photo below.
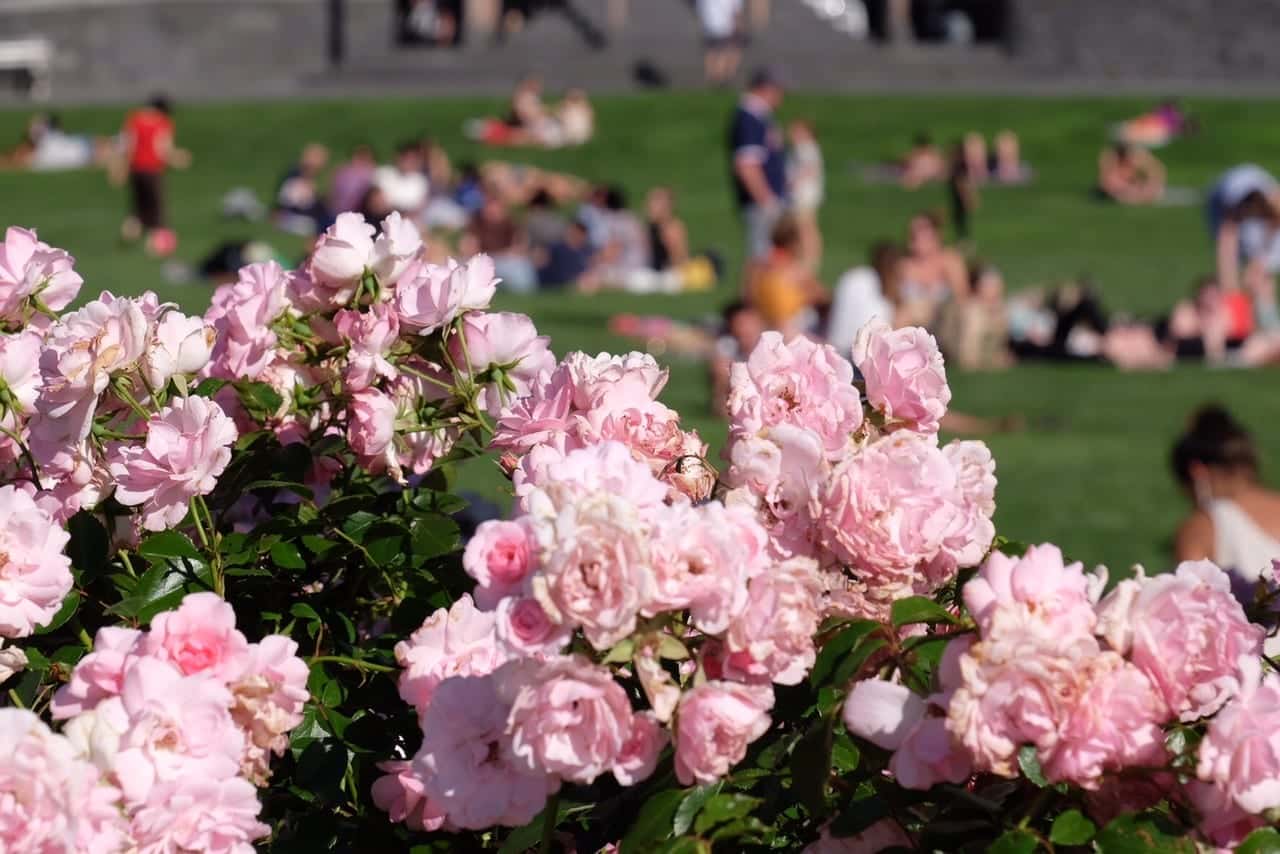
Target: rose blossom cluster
(370, 340)
(93, 402)
(166, 734)
(858, 482)
(585, 400)
(1090, 684)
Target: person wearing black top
(757, 151)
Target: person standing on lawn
(149, 151)
(757, 151)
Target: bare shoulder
(1194, 540)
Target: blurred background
(1074, 196)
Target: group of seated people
(45, 146)
(543, 229)
(530, 121)
(927, 283)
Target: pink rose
(505, 345)
(538, 417)
(800, 382)
(891, 508)
(100, 674)
(568, 717)
(369, 336)
(50, 799)
(188, 446)
(339, 260)
(174, 728)
(976, 479)
(652, 432)
(1039, 589)
(928, 755)
(715, 724)
(1186, 631)
(593, 376)
(1240, 753)
(882, 712)
(1017, 688)
(243, 313)
(772, 639)
(566, 477)
(83, 351)
(1115, 724)
(785, 467)
(525, 631)
(200, 636)
(466, 761)
(699, 563)
(195, 813)
(597, 574)
(904, 375)
(177, 345)
(499, 556)
(35, 576)
(19, 388)
(30, 268)
(1222, 822)
(267, 700)
(371, 429)
(639, 755)
(400, 794)
(459, 641)
(425, 298)
(12, 662)
(398, 244)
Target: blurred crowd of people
(544, 230)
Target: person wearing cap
(757, 150)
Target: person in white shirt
(1244, 220)
(861, 294)
(404, 183)
(723, 53)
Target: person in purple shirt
(352, 180)
(757, 151)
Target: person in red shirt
(149, 151)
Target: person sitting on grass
(1130, 175)
(782, 287)
(1236, 520)
(300, 207)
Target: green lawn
(1090, 474)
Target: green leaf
(260, 399)
(620, 652)
(654, 821)
(862, 653)
(838, 647)
(845, 755)
(1141, 834)
(317, 545)
(209, 387)
(1072, 828)
(1265, 840)
(919, 609)
(89, 548)
(1015, 841)
(811, 766)
(434, 535)
(65, 612)
(691, 806)
(525, 838)
(163, 585)
(355, 525)
(672, 648)
(321, 768)
(722, 808)
(286, 556)
(299, 489)
(688, 845)
(1030, 765)
(168, 544)
(303, 611)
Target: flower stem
(357, 663)
(550, 817)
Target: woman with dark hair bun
(1236, 523)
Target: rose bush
(241, 604)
